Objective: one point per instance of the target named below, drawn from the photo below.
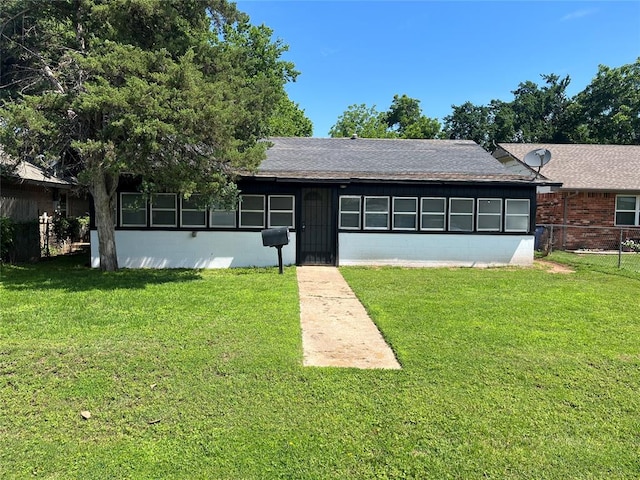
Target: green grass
(607, 263)
(507, 373)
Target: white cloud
(578, 14)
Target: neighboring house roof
(29, 173)
(582, 166)
(365, 159)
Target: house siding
(581, 209)
(435, 250)
(208, 247)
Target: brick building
(598, 202)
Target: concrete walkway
(336, 330)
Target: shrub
(71, 227)
(7, 237)
(632, 245)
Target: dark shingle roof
(587, 167)
(24, 171)
(340, 159)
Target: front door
(317, 233)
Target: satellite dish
(537, 158)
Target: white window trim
(348, 212)
(122, 224)
(414, 214)
(215, 225)
(183, 209)
(636, 212)
(174, 210)
(364, 209)
(466, 214)
(507, 214)
(442, 214)
(479, 214)
(292, 211)
(240, 225)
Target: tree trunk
(103, 190)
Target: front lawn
(507, 373)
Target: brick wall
(583, 209)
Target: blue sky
(441, 53)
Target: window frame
(215, 209)
(183, 210)
(443, 214)
(241, 211)
(635, 211)
(144, 207)
(490, 214)
(164, 209)
(365, 212)
(404, 213)
(507, 214)
(471, 214)
(292, 211)
(358, 213)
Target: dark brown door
(317, 228)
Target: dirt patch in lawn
(553, 267)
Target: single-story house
(28, 191)
(346, 202)
(600, 190)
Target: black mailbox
(275, 237)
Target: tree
(536, 114)
(606, 111)
(288, 120)
(360, 120)
(176, 93)
(406, 119)
(539, 113)
(468, 122)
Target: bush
(73, 228)
(632, 245)
(7, 237)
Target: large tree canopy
(177, 93)
(606, 111)
(404, 119)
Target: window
(432, 214)
(163, 210)
(489, 214)
(516, 215)
(376, 213)
(627, 210)
(281, 208)
(252, 211)
(193, 212)
(220, 217)
(461, 214)
(350, 212)
(405, 213)
(133, 210)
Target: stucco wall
(179, 249)
(435, 250)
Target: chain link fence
(606, 246)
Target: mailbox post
(276, 237)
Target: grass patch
(507, 373)
(606, 263)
